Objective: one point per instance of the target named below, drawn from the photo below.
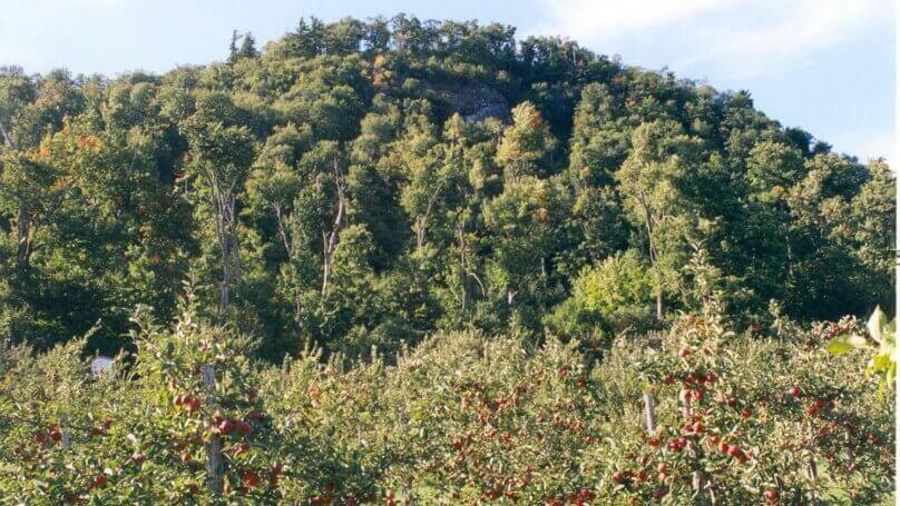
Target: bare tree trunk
(327, 250)
(215, 466)
(329, 239)
(6, 138)
(463, 271)
(650, 223)
(288, 248)
(226, 272)
(219, 203)
(329, 244)
(282, 232)
(422, 221)
(420, 233)
(226, 281)
(23, 237)
(233, 238)
(790, 255)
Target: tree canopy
(366, 183)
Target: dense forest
(363, 184)
(362, 210)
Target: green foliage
(487, 175)
(526, 145)
(449, 241)
(462, 417)
(607, 297)
(881, 338)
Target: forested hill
(360, 184)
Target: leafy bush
(606, 298)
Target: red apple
(249, 478)
(99, 481)
(193, 404)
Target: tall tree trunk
(279, 218)
(6, 137)
(23, 237)
(329, 239)
(223, 202)
(790, 256)
(224, 249)
(650, 223)
(463, 269)
(327, 252)
(422, 221)
(226, 276)
(420, 233)
(234, 249)
(289, 250)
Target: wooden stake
(215, 467)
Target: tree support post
(215, 467)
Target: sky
(827, 66)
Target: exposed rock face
(475, 102)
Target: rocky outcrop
(475, 102)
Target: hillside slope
(360, 184)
